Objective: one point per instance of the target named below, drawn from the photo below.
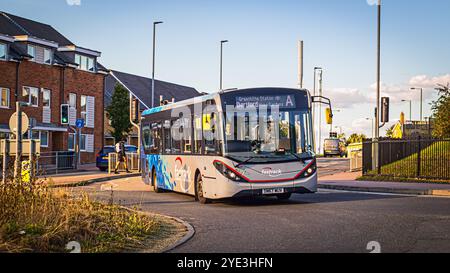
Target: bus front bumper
(308, 185)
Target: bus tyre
(155, 183)
(199, 191)
(285, 196)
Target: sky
(339, 36)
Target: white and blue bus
(249, 142)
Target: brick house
(140, 87)
(40, 66)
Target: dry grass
(34, 218)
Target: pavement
(347, 181)
(330, 221)
(87, 174)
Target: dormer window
(3, 52)
(85, 63)
(32, 51)
(48, 56)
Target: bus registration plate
(272, 191)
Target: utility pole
(153, 66)
(377, 118)
(300, 64)
(18, 163)
(421, 100)
(320, 109)
(221, 63)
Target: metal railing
(55, 162)
(132, 162)
(408, 158)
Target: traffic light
(64, 114)
(329, 116)
(385, 110)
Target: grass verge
(34, 218)
(385, 178)
(435, 162)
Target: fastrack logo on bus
(271, 172)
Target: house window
(3, 51)
(71, 142)
(83, 143)
(32, 52)
(46, 100)
(48, 56)
(91, 65)
(83, 104)
(31, 95)
(85, 63)
(4, 98)
(42, 136)
(44, 139)
(73, 100)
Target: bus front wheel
(199, 191)
(155, 183)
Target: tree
(356, 138)
(441, 113)
(390, 131)
(119, 113)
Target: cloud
(73, 2)
(425, 81)
(346, 97)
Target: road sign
(13, 123)
(80, 123)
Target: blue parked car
(102, 156)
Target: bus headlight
(228, 173)
(310, 170)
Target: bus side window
(209, 133)
(155, 144)
(146, 136)
(198, 141)
(176, 141)
(186, 144)
(167, 145)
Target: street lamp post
(314, 114)
(153, 66)
(410, 109)
(421, 100)
(373, 123)
(221, 63)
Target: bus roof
(212, 96)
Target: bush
(34, 218)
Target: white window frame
(73, 95)
(74, 141)
(84, 142)
(29, 95)
(8, 96)
(34, 51)
(48, 140)
(6, 52)
(50, 55)
(44, 90)
(39, 137)
(84, 62)
(83, 113)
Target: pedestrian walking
(121, 156)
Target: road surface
(329, 221)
